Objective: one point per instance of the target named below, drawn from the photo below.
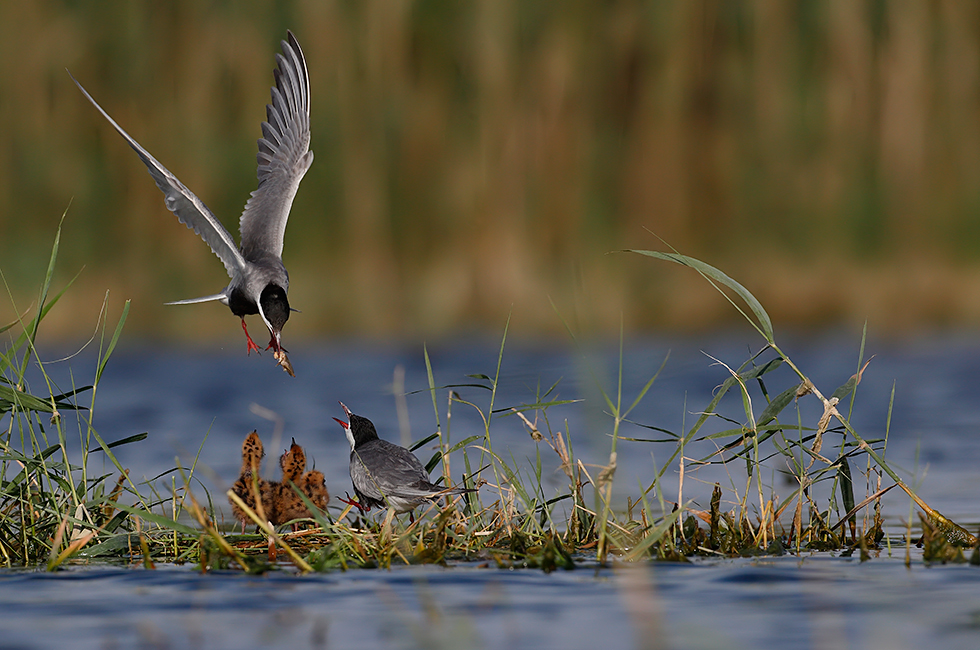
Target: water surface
(818, 601)
(812, 602)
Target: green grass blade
(646, 387)
(429, 438)
(113, 341)
(125, 441)
(432, 384)
(762, 322)
(776, 406)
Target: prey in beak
(274, 310)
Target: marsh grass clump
(51, 504)
(794, 486)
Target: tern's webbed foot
(351, 502)
(251, 343)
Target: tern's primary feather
(189, 209)
(284, 155)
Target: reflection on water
(815, 602)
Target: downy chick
(289, 505)
(250, 483)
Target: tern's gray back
(283, 157)
(380, 468)
(264, 269)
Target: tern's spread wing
(189, 209)
(284, 154)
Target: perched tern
(386, 474)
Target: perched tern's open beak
(346, 425)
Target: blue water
(180, 397)
(812, 602)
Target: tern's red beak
(346, 425)
(346, 410)
(274, 342)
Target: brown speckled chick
(245, 486)
(315, 487)
(288, 504)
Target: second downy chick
(288, 504)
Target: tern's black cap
(275, 305)
(362, 429)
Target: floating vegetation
(53, 511)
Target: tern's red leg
(357, 505)
(251, 343)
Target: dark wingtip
(292, 40)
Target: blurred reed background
(477, 158)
